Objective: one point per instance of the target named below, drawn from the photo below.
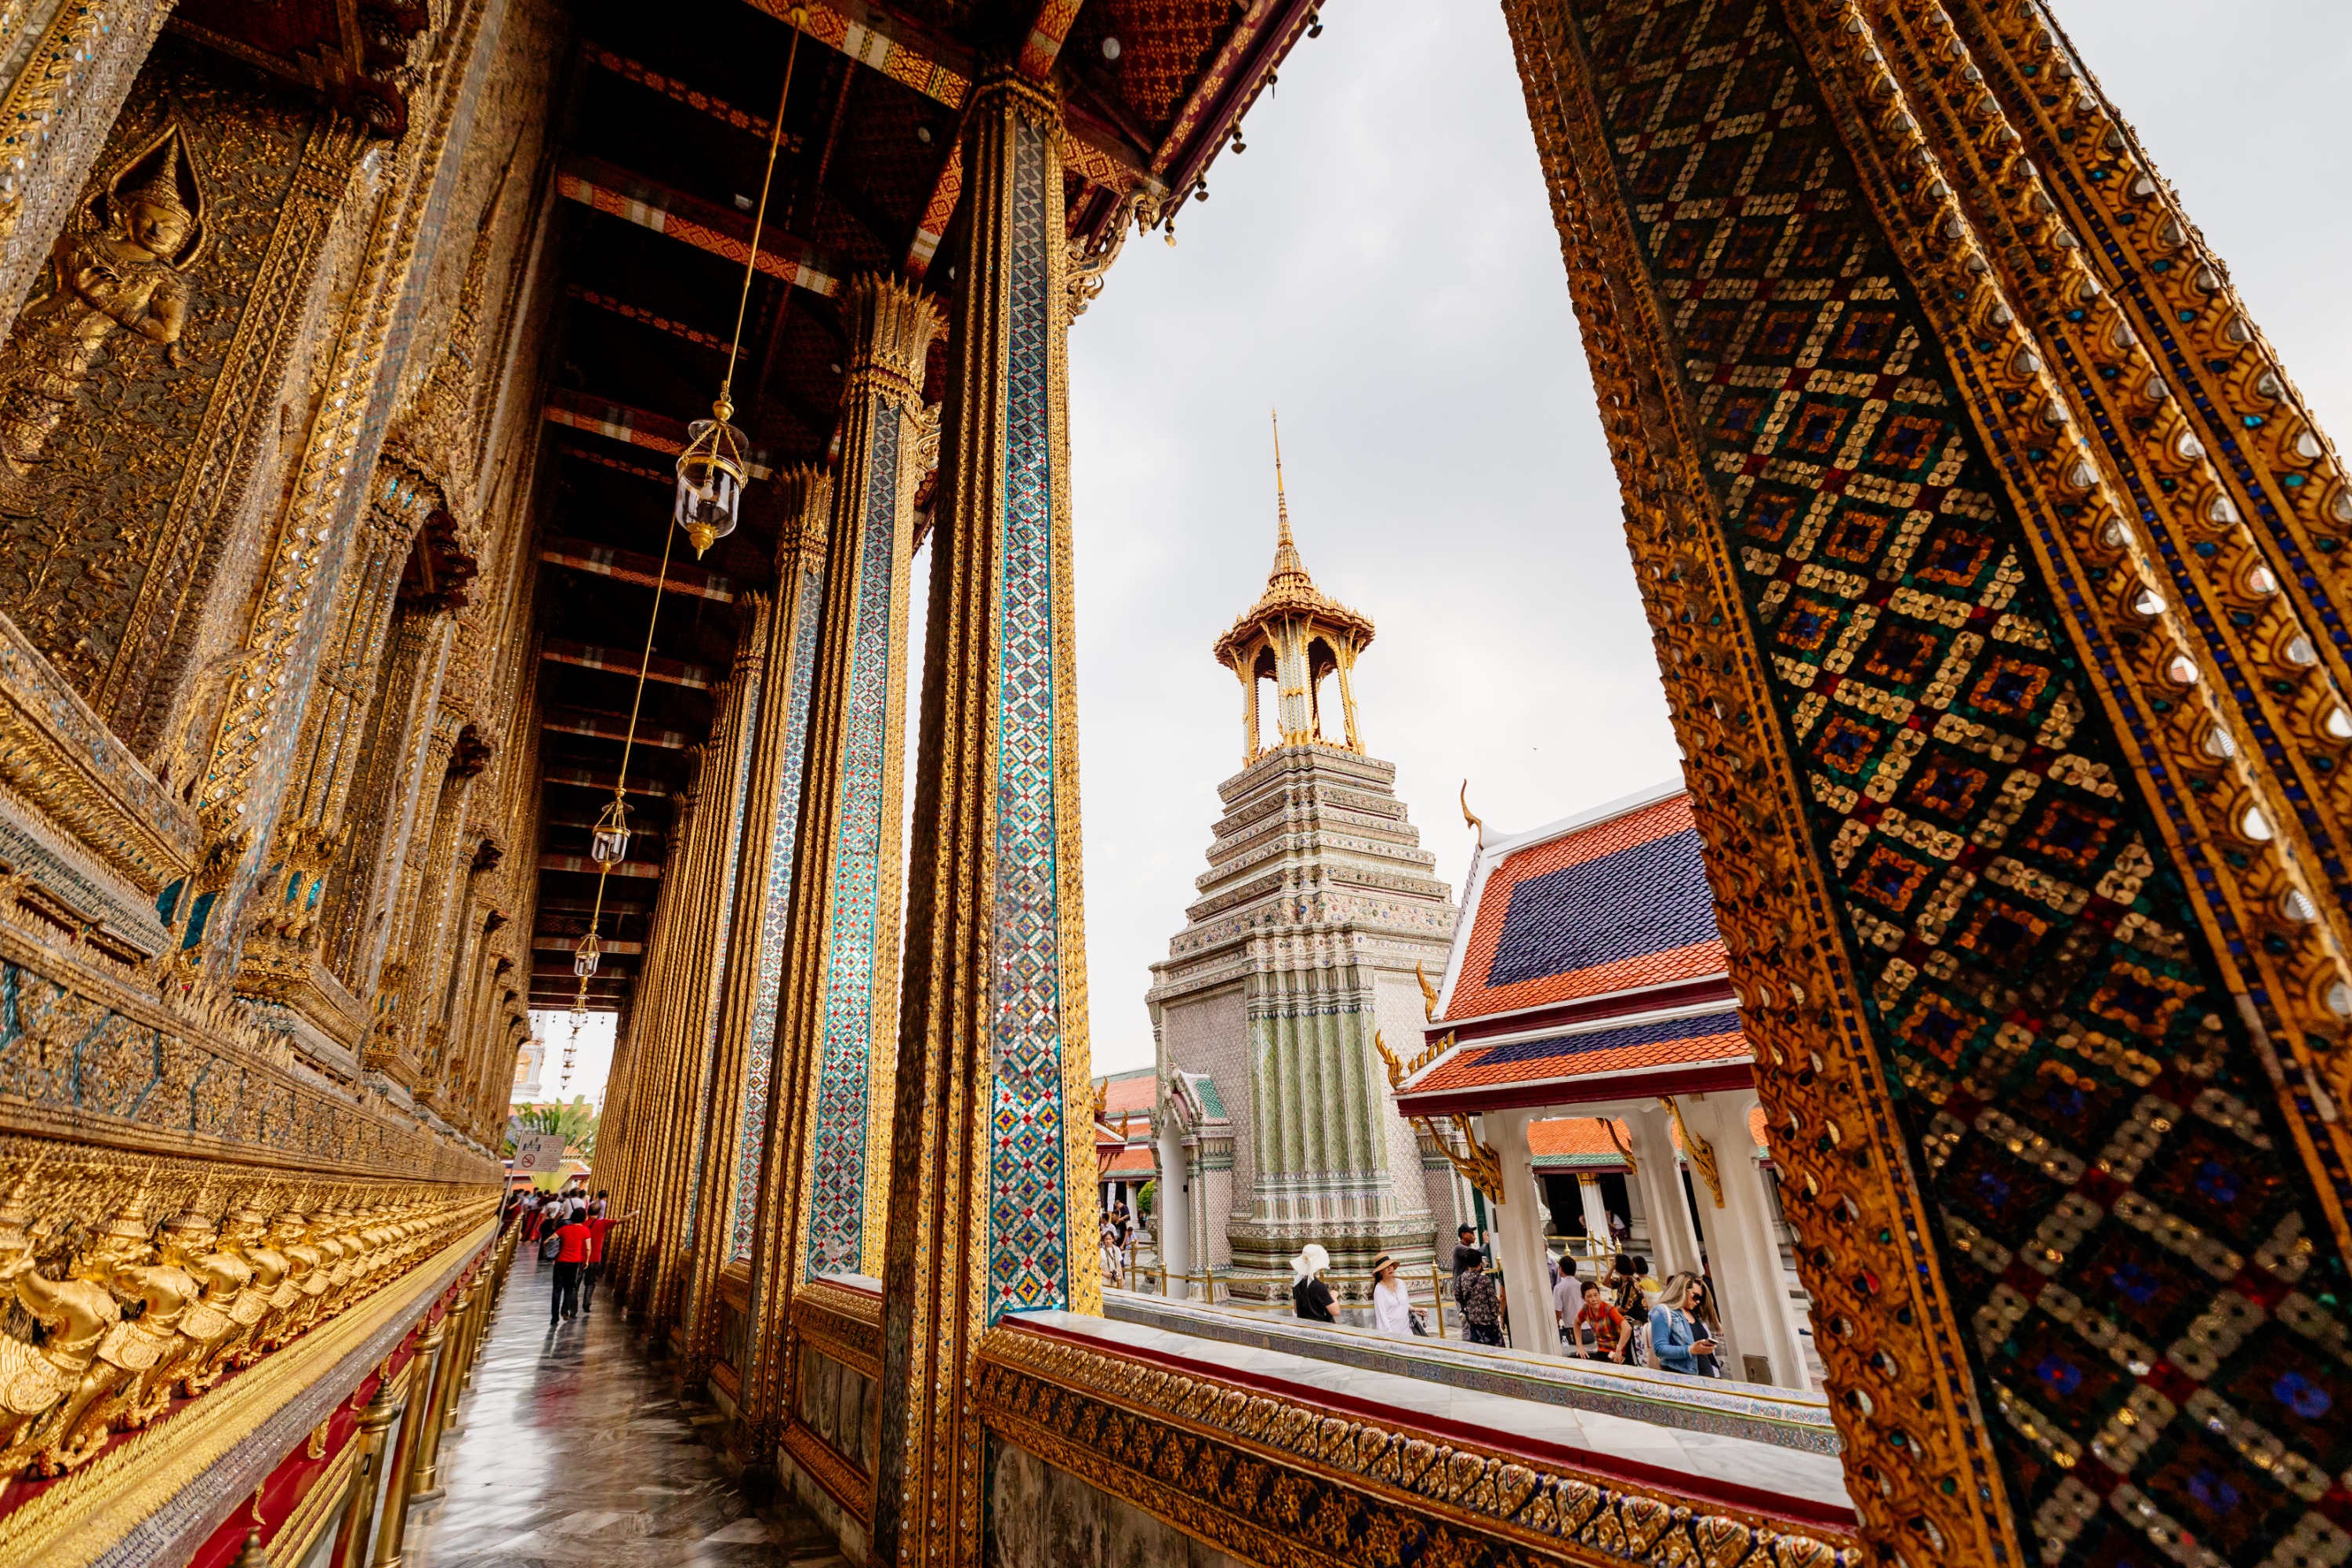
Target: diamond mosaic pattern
(1646, 897)
(775, 913)
(2159, 1313)
(837, 1179)
(1027, 1262)
(1554, 947)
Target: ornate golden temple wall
(267, 420)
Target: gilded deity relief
(135, 391)
(106, 1317)
(121, 265)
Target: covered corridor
(573, 1449)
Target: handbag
(549, 1248)
(1420, 1325)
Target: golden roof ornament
(1295, 635)
(1290, 591)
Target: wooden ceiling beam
(649, 204)
(677, 92)
(647, 870)
(586, 778)
(612, 727)
(628, 567)
(621, 661)
(619, 421)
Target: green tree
(576, 1121)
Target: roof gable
(1613, 905)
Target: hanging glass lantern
(579, 1012)
(610, 843)
(584, 956)
(711, 473)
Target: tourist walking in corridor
(571, 1246)
(600, 1228)
(1679, 1335)
(1476, 1293)
(1309, 1296)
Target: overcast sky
(1381, 264)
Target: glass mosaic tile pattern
(1028, 1266)
(837, 1153)
(2157, 1315)
(775, 913)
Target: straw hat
(1382, 1261)
(1311, 1260)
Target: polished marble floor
(574, 1451)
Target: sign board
(539, 1151)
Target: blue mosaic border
(775, 913)
(836, 1224)
(1028, 1264)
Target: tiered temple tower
(1316, 908)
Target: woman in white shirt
(1392, 1308)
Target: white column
(1673, 1243)
(1519, 1236)
(1173, 1224)
(1748, 1285)
(1596, 1216)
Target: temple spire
(1288, 568)
(1294, 637)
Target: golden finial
(1286, 562)
(1470, 818)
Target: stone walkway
(575, 1452)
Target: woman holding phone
(1679, 1336)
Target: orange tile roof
(1564, 1137)
(1580, 1140)
(1129, 1092)
(1618, 905)
(1135, 1161)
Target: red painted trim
(1560, 1014)
(283, 1492)
(1524, 1093)
(1729, 1494)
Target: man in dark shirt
(571, 1249)
(1466, 1249)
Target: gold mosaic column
(992, 1183)
(718, 1103)
(637, 1127)
(825, 1182)
(370, 864)
(691, 997)
(741, 1078)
